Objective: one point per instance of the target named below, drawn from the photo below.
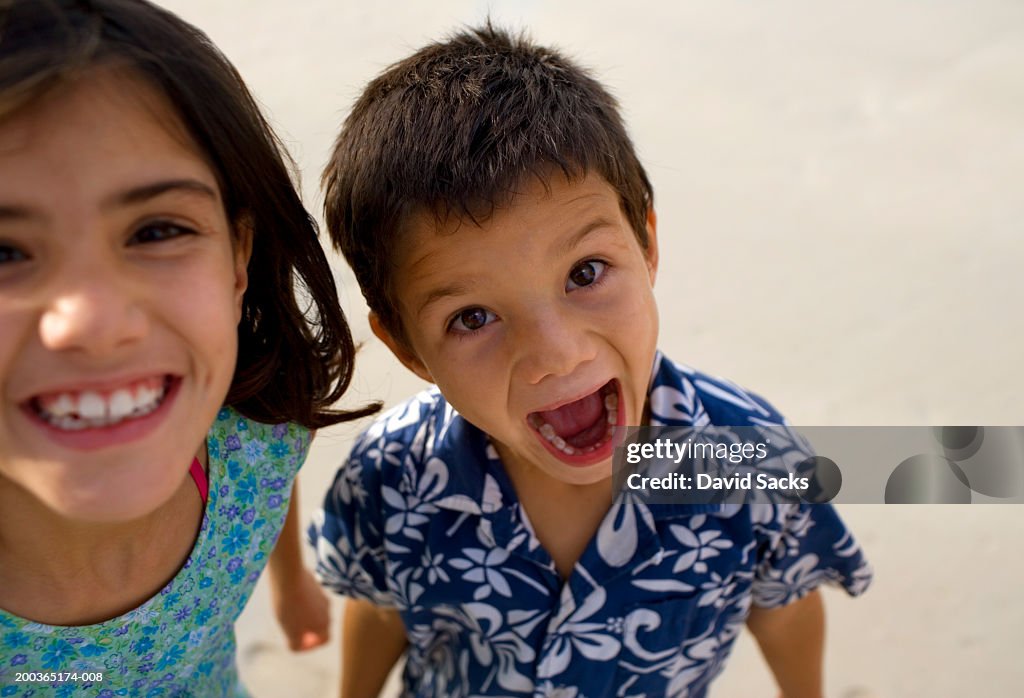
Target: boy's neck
(564, 517)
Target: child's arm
(300, 604)
(372, 640)
(792, 639)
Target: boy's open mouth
(91, 409)
(579, 432)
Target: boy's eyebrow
(579, 236)
(563, 248)
(439, 293)
(135, 195)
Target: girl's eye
(471, 320)
(9, 255)
(585, 274)
(158, 232)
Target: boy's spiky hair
(452, 130)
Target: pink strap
(199, 476)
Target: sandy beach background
(839, 192)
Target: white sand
(839, 196)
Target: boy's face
(539, 326)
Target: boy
(501, 228)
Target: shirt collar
(477, 483)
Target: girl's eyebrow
(135, 195)
(16, 213)
(141, 194)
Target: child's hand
(302, 610)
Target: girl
(159, 382)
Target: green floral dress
(181, 642)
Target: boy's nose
(554, 345)
(93, 313)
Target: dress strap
(199, 476)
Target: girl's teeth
(548, 432)
(63, 407)
(144, 395)
(90, 409)
(92, 406)
(121, 404)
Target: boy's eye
(585, 273)
(471, 320)
(157, 232)
(9, 255)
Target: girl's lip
(103, 385)
(96, 438)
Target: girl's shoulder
(235, 435)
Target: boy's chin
(591, 474)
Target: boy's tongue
(573, 418)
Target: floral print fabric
(181, 642)
(423, 518)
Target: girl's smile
(96, 418)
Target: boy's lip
(575, 396)
(605, 447)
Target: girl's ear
(241, 243)
(399, 349)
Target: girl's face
(121, 284)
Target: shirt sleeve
(348, 532)
(807, 545)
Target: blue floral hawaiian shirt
(423, 518)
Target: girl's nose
(93, 313)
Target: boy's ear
(399, 349)
(652, 243)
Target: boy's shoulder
(683, 396)
(416, 439)
(426, 425)
(415, 426)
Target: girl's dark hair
(453, 129)
(294, 357)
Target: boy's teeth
(611, 405)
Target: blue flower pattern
(180, 642)
(423, 518)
